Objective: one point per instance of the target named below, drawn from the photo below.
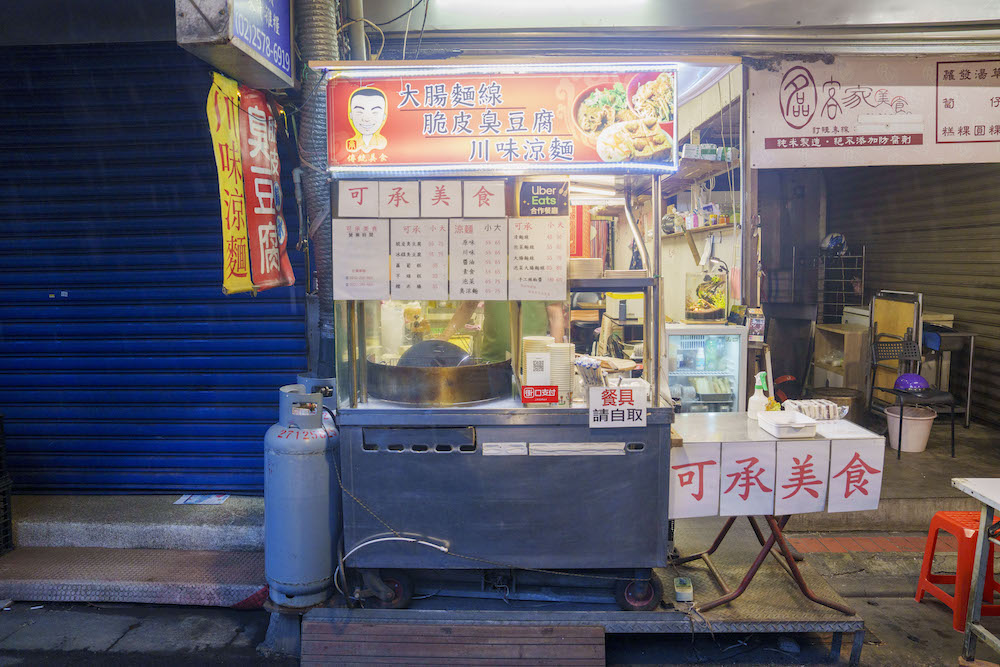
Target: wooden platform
(349, 643)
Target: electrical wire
(372, 24)
(420, 40)
(406, 31)
(414, 540)
(406, 13)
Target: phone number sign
(263, 29)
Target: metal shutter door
(122, 366)
(935, 230)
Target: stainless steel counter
(737, 427)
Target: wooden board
(338, 643)
(890, 317)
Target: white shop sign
(747, 478)
(861, 111)
(694, 480)
(419, 258)
(361, 258)
(776, 477)
(441, 199)
(478, 259)
(802, 469)
(616, 407)
(856, 474)
(484, 199)
(538, 257)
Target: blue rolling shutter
(123, 368)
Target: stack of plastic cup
(562, 370)
(533, 345)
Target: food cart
(480, 457)
(468, 439)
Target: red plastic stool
(965, 527)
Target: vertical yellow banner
(223, 118)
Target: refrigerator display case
(703, 367)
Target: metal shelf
(693, 373)
(691, 172)
(608, 284)
(698, 230)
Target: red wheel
(630, 596)
(402, 590)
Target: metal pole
(657, 303)
(352, 360)
(356, 12)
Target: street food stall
(471, 433)
(482, 455)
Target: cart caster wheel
(402, 589)
(626, 595)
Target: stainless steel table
(954, 341)
(987, 491)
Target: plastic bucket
(917, 424)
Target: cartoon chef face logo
(367, 113)
(797, 97)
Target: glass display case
(703, 367)
(395, 353)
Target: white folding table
(987, 491)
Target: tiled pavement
(869, 543)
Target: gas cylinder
(301, 501)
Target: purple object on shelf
(911, 382)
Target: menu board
(478, 259)
(538, 257)
(419, 258)
(361, 251)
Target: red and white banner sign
(550, 121)
(862, 111)
(783, 477)
(266, 231)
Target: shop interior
(695, 243)
(848, 243)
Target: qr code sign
(537, 365)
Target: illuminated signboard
(409, 121)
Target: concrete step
(150, 576)
(138, 522)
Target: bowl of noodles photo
(651, 95)
(598, 107)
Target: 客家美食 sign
(866, 111)
(554, 122)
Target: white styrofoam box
(357, 199)
(484, 199)
(399, 199)
(441, 199)
(787, 424)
